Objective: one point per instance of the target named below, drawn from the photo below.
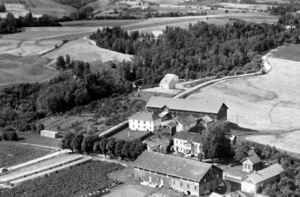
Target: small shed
(252, 162)
(49, 133)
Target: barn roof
(144, 116)
(172, 165)
(206, 106)
(189, 136)
(265, 174)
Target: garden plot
(269, 102)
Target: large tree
(216, 143)
(66, 142)
(77, 142)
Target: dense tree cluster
(12, 25)
(9, 134)
(21, 105)
(201, 50)
(112, 147)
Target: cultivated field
(129, 135)
(40, 7)
(86, 50)
(91, 23)
(16, 69)
(14, 153)
(270, 102)
(289, 52)
(288, 141)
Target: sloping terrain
(269, 102)
(48, 7)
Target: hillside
(47, 7)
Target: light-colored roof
(173, 165)
(265, 174)
(168, 78)
(188, 136)
(207, 119)
(216, 195)
(144, 116)
(206, 106)
(252, 157)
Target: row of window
(187, 185)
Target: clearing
(16, 69)
(39, 7)
(16, 153)
(129, 135)
(86, 50)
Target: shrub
(10, 135)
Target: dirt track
(269, 102)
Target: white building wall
(141, 125)
(50, 134)
(248, 187)
(183, 146)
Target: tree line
(198, 51)
(10, 24)
(93, 144)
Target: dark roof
(145, 116)
(189, 136)
(199, 105)
(186, 120)
(173, 165)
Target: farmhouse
(252, 162)
(188, 143)
(251, 183)
(184, 123)
(50, 134)
(144, 121)
(184, 107)
(169, 81)
(181, 174)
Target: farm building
(181, 174)
(185, 123)
(50, 134)
(157, 144)
(184, 107)
(188, 143)
(206, 121)
(251, 183)
(144, 121)
(169, 81)
(252, 162)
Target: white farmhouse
(169, 81)
(50, 134)
(251, 183)
(188, 143)
(144, 121)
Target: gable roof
(144, 116)
(188, 136)
(206, 119)
(252, 157)
(173, 165)
(206, 106)
(265, 174)
(186, 120)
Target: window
(187, 185)
(195, 187)
(180, 183)
(144, 122)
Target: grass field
(288, 141)
(15, 153)
(91, 23)
(77, 181)
(15, 69)
(267, 102)
(48, 7)
(290, 52)
(86, 50)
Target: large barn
(184, 175)
(216, 110)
